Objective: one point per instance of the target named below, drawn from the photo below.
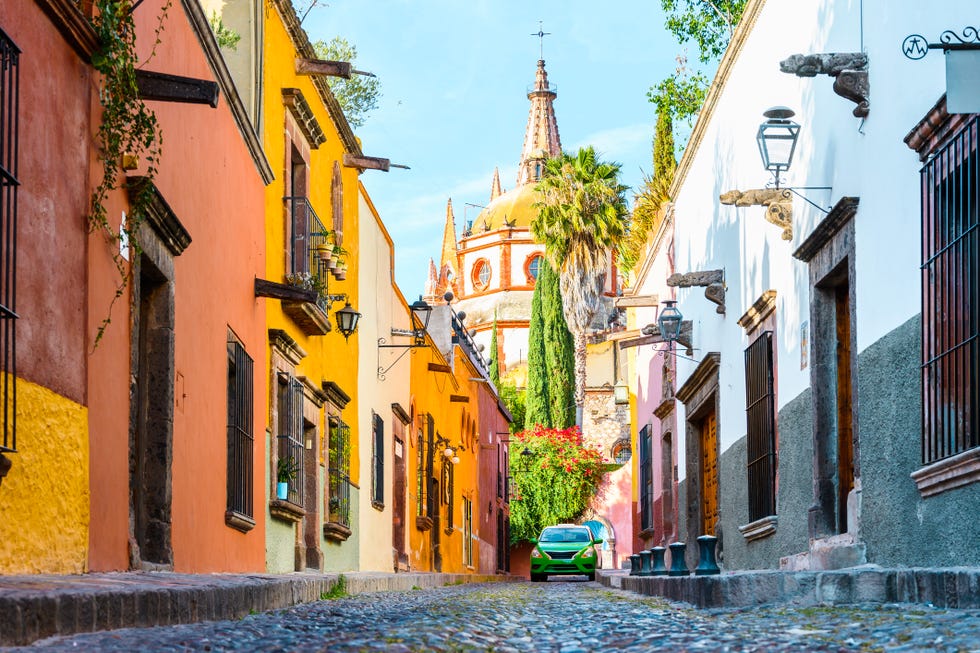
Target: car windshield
(565, 535)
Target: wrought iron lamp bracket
(916, 47)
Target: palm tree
(582, 218)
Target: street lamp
(777, 140)
(669, 321)
(421, 311)
(347, 319)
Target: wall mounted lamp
(777, 140)
(669, 321)
(346, 317)
(421, 312)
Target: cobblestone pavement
(560, 616)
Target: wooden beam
(264, 288)
(438, 367)
(459, 399)
(366, 162)
(174, 88)
(321, 67)
(637, 300)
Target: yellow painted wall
(329, 357)
(44, 499)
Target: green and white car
(564, 550)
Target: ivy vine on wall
(128, 127)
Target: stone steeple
(541, 140)
(448, 256)
(495, 191)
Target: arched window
(532, 267)
(622, 451)
(481, 274)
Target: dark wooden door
(845, 434)
(709, 474)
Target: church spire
(495, 191)
(541, 140)
(448, 256)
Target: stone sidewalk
(35, 607)
(957, 587)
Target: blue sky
(454, 76)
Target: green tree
(537, 400)
(559, 351)
(553, 482)
(582, 218)
(709, 23)
(514, 398)
(358, 95)
(494, 362)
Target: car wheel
(538, 578)
(591, 576)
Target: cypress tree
(494, 361)
(559, 351)
(536, 400)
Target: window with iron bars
(467, 532)
(760, 418)
(951, 296)
(378, 463)
(426, 437)
(240, 433)
(646, 477)
(290, 440)
(447, 492)
(9, 112)
(338, 454)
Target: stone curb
(36, 607)
(957, 587)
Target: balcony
(311, 262)
(462, 337)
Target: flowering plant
(555, 476)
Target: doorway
(709, 473)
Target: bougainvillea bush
(553, 481)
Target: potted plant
(326, 249)
(286, 470)
(341, 271)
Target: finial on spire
(541, 34)
(495, 191)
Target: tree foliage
(494, 358)
(358, 95)
(554, 482)
(559, 352)
(537, 399)
(709, 23)
(514, 398)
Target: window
(378, 463)
(447, 492)
(290, 438)
(468, 532)
(240, 437)
(533, 268)
(951, 296)
(621, 451)
(646, 477)
(424, 468)
(9, 108)
(761, 423)
(481, 274)
(338, 471)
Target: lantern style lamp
(777, 140)
(421, 311)
(347, 319)
(621, 393)
(669, 321)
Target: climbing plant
(128, 127)
(554, 482)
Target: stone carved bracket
(849, 70)
(713, 282)
(778, 203)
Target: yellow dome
(515, 207)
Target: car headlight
(536, 553)
(587, 553)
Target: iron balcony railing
(309, 236)
(462, 337)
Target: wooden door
(845, 436)
(709, 474)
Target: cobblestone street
(561, 616)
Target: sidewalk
(957, 587)
(35, 607)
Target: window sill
(238, 521)
(286, 511)
(949, 473)
(759, 529)
(336, 531)
(378, 505)
(423, 523)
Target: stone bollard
(658, 565)
(706, 561)
(635, 564)
(678, 567)
(644, 563)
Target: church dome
(516, 207)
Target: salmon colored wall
(210, 181)
(44, 500)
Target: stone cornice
(305, 49)
(759, 311)
(933, 129)
(843, 211)
(313, 393)
(745, 26)
(401, 414)
(286, 345)
(665, 408)
(301, 112)
(73, 25)
(701, 375)
(160, 216)
(335, 395)
(205, 35)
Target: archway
(602, 528)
